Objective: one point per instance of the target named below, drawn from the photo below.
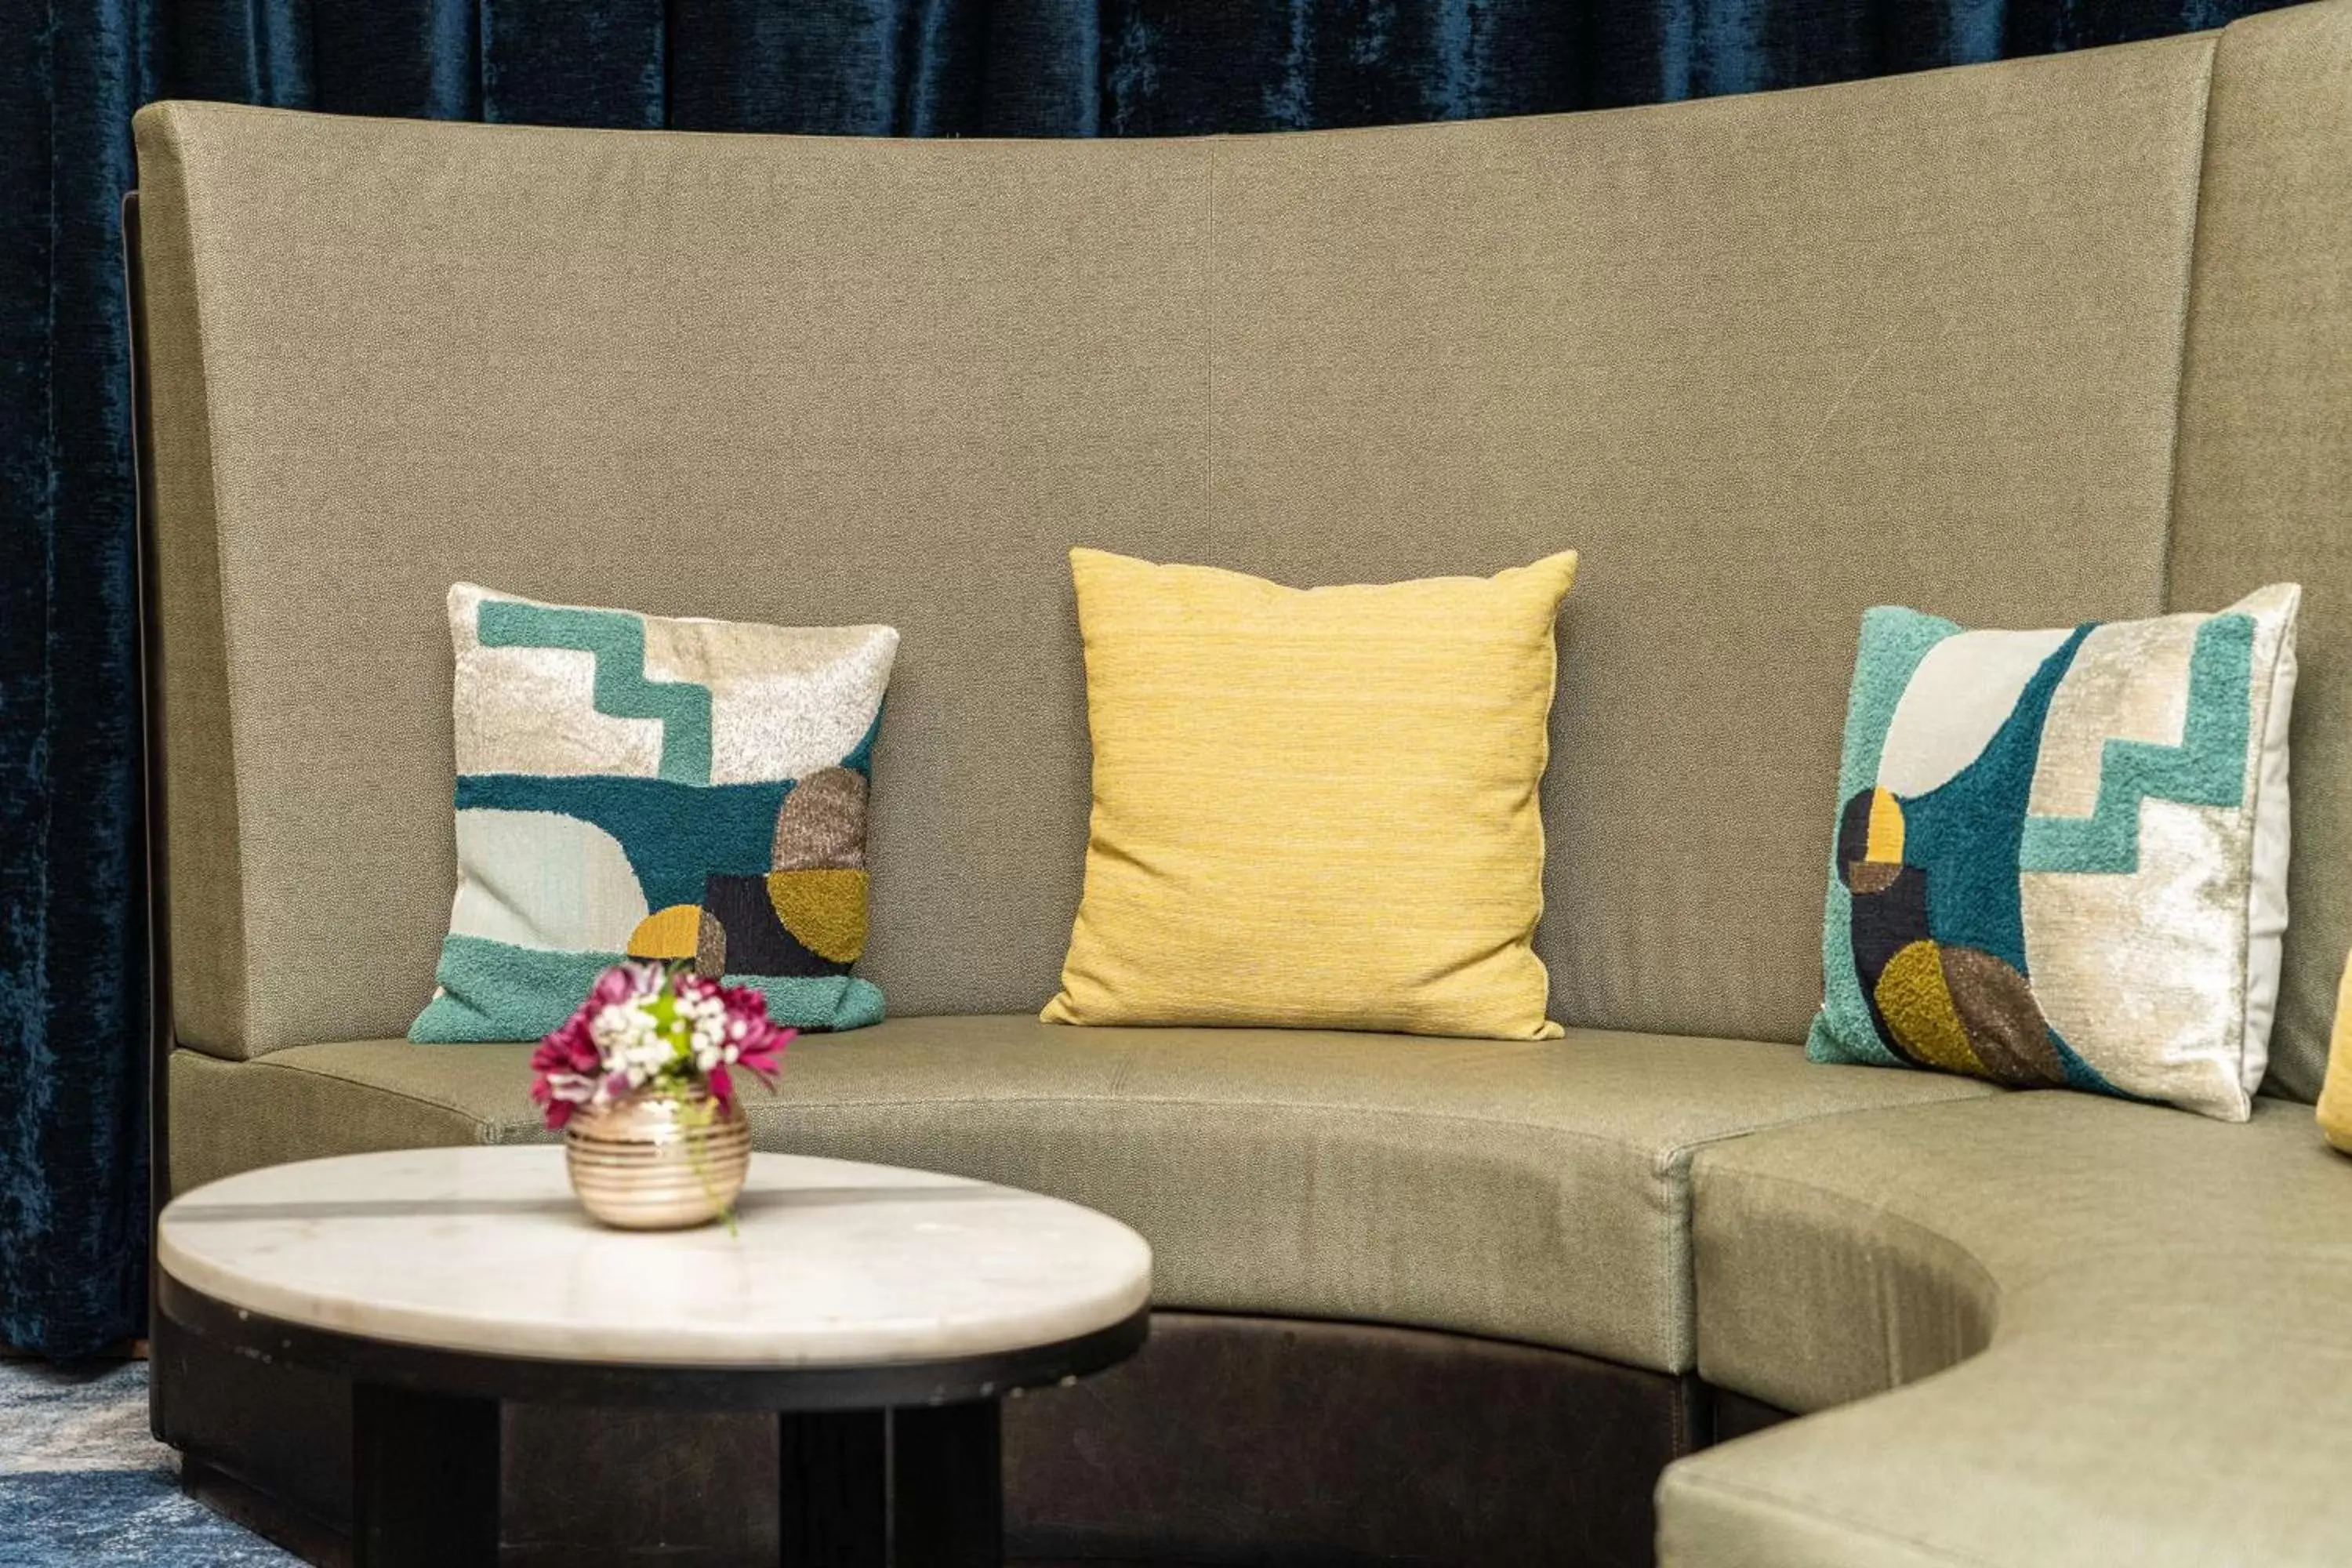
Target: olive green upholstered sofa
(2024, 344)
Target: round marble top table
(881, 1311)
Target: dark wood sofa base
(1229, 1441)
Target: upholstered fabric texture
(630, 784)
(1315, 808)
(2061, 857)
(1529, 1190)
(2059, 1330)
(1045, 373)
(2265, 456)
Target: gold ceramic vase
(658, 1161)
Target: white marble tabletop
(485, 1250)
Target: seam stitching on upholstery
(182, 141)
(1990, 1282)
(1205, 276)
(1682, 1307)
(1844, 1521)
(964, 1104)
(488, 1130)
(1660, 1168)
(1361, 1113)
(1682, 1152)
(2188, 304)
(360, 1083)
(1889, 1211)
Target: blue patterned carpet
(82, 1483)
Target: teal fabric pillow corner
(633, 786)
(2061, 856)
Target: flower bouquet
(642, 1083)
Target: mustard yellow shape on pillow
(1314, 808)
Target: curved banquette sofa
(2024, 344)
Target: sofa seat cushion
(2137, 1314)
(1527, 1190)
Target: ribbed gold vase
(658, 1161)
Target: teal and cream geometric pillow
(2061, 856)
(630, 784)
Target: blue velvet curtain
(72, 1206)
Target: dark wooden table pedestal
(424, 1478)
(915, 1488)
(891, 1489)
(881, 1467)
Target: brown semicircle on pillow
(2003, 1021)
(822, 824)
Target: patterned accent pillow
(2061, 856)
(628, 784)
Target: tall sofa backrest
(2264, 480)
(1764, 361)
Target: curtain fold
(72, 1168)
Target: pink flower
(765, 1055)
(561, 1092)
(760, 1046)
(624, 981)
(571, 1048)
(568, 1062)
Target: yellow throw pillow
(1314, 808)
(2336, 1091)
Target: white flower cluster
(635, 1045)
(630, 1040)
(718, 1039)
